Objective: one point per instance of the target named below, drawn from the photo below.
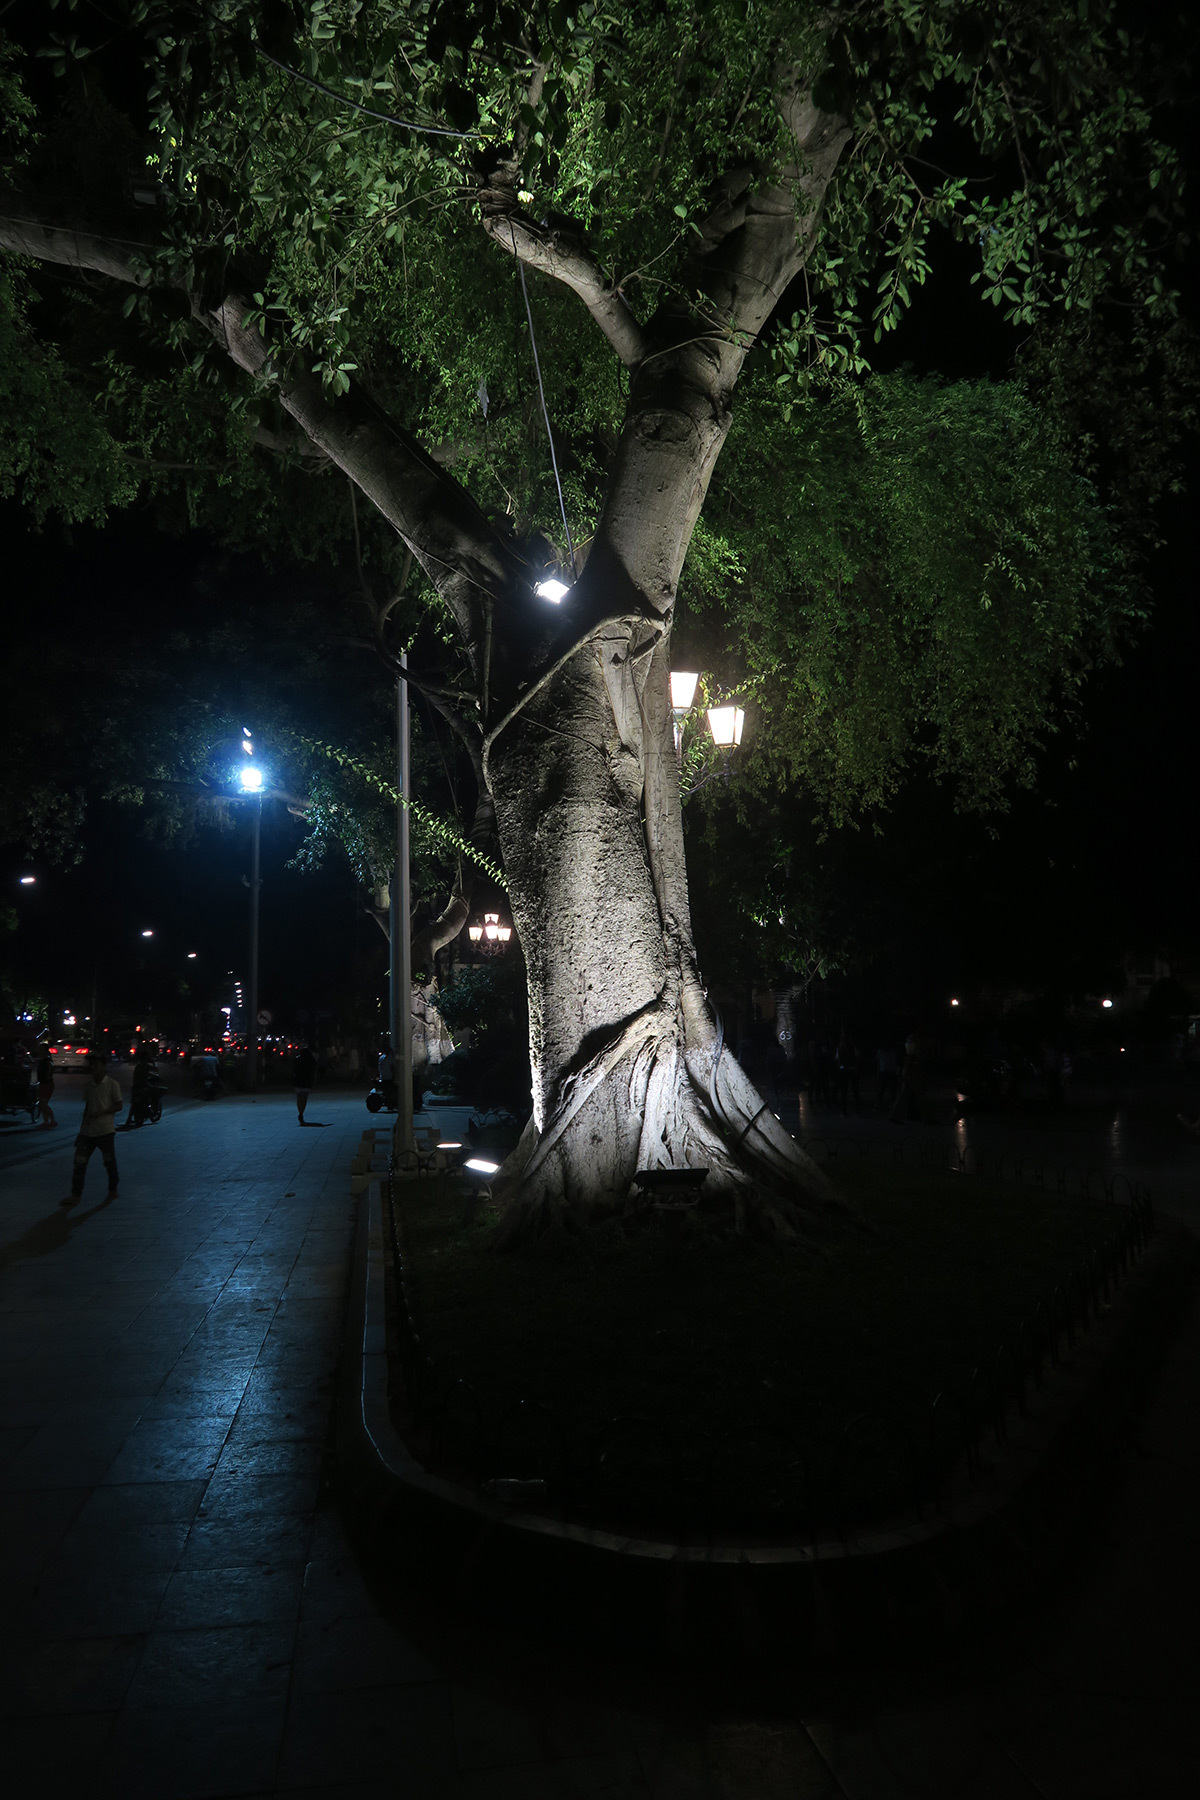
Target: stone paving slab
(182, 1618)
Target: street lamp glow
(725, 723)
(683, 690)
(251, 779)
(954, 1003)
(1106, 1004)
(191, 956)
(28, 880)
(147, 933)
(474, 932)
(552, 589)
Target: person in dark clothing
(304, 1071)
(44, 1076)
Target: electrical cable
(542, 395)
(475, 137)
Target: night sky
(1099, 861)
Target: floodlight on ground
(683, 690)
(552, 589)
(725, 723)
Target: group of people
(836, 1067)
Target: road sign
(264, 1017)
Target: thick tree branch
(563, 258)
(99, 253)
(432, 512)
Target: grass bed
(776, 1385)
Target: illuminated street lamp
(490, 936)
(725, 723)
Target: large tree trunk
(630, 1071)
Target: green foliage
(932, 583)
(484, 999)
(367, 831)
(905, 572)
(56, 453)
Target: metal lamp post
(252, 781)
(400, 922)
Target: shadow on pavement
(47, 1234)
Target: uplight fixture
(725, 723)
(552, 589)
(478, 1166)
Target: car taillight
(54, 1049)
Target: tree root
(663, 1109)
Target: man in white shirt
(101, 1103)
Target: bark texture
(570, 724)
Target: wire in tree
(542, 395)
(354, 105)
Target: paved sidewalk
(182, 1616)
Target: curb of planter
(900, 1585)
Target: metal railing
(763, 1477)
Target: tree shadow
(48, 1234)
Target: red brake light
(54, 1049)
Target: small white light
(480, 1167)
(1106, 1003)
(552, 590)
(252, 779)
(147, 934)
(725, 723)
(683, 690)
(247, 746)
(28, 880)
(191, 956)
(954, 1002)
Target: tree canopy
(596, 289)
(350, 155)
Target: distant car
(71, 1055)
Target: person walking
(304, 1071)
(101, 1103)
(44, 1076)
